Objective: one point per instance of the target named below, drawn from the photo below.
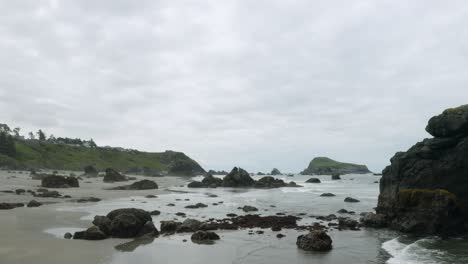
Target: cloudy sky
(258, 84)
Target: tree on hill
(7, 144)
(31, 135)
(41, 135)
(16, 131)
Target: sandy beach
(22, 230)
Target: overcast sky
(256, 84)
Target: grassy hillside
(324, 165)
(36, 154)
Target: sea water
(365, 246)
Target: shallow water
(365, 246)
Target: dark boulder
(8, 206)
(20, 191)
(351, 200)
(55, 181)
(114, 176)
(238, 178)
(275, 171)
(103, 223)
(68, 235)
(248, 208)
(127, 222)
(314, 241)
(34, 203)
(196, 206)
(313, 180)
(92, 233)
(88, 199)
(169, 227)
(204, 236)
(327, 195)
(139, 185)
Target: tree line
(8, 137)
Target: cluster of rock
(240, 178)
(424, 190)
(275, 171)
(56, 181)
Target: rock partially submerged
(55, 181)
(424, 190)
(139, 185)
(314, 241)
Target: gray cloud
(259, 84)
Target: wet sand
(23, 239)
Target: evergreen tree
(3, 143)
(10, 146)
(41, 135)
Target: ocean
(365, 246)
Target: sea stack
(327, 166)
(425, 189)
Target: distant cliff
(34, 154)
(327, 166)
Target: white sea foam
(411, 253)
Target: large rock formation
(327, 166)
(425, 189)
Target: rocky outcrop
(314, 241)
(114, 176)
(240, 178)
(424, 190)
(139, 185)
(275, 171)
(55, 181)
(120, 223)
(327, 166)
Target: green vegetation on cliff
(39, 154)
(327, 166)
